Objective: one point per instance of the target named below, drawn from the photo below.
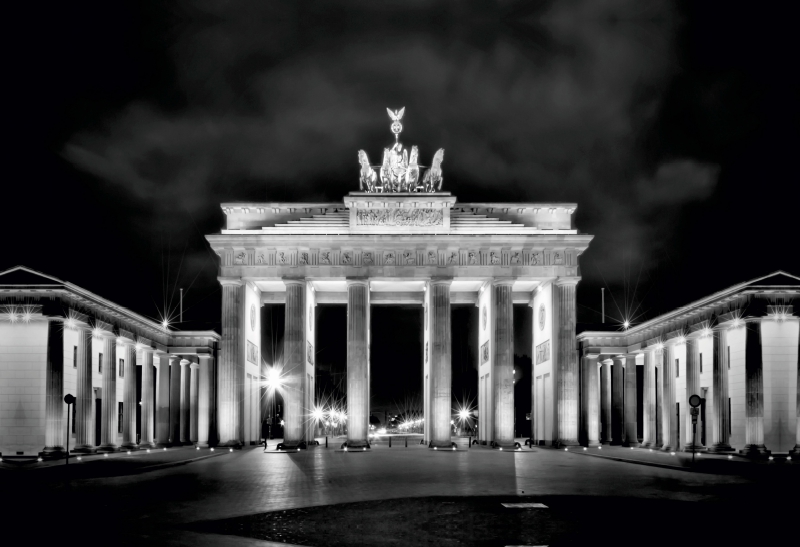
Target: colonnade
(177, 395)
(610, 392)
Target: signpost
(70, 400)
(694, 402)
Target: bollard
(326, 441)
(406, 442)
(470, 442)
(390, 442)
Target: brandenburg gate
(401, 240)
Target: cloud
(552, 108)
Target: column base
(721, 447)
(695, 448)
(755, 451)
(632, 444)
(166, 444)
(232, 444)
(129, 446)
(357, 444)
(564, 443)
(795, 451)
(53, 453)
(648, 444)
(85, 449)
(593, 444)
(107, 448)
(667, 448)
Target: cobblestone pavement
(148, 506)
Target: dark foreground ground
(396, 497)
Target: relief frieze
(400, 217)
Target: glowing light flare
(706, 332)
(626, 325)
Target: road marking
(525, 505)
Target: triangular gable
(776, 279)
(22, 276)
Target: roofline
(692, 306)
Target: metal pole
(181, 315)
(694, 438)
(603, 302)
(68, 413)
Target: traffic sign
(694, 400)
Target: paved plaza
(156, 505)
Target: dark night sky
(673, 126)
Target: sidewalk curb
(157, 466)
(639, 462)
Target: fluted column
(174, 401)
(591, 400)
(357, 362)
(440, 359)
(721, 422)
(630, 403)
(185, 395)
(659, 360)
(503, 363)
(84, 405)
(796, 449)
(754, 386)
(605, 400)
(566, 363)
(162, 402)
(147, 439)
(54, 380)
(129, 401)
(108, 408)
(193, 393)
(294, 365)
(617, 399)
(230, 374)
(693, 442)
(649, 400)
(204, 400)
(670, 430)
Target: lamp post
(694, 401)
(70, 400)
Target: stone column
(129, 401)
(294, 365)
(204, 400)
(84, 405)
(630, 403)
(230, 374)
(108, 410)
(692, 443)
(659, 360)
(796, 450)
(754, 386)
(503, 364)
(617, 399)
(566, 363)
(54, 380)
(721, 421)
(605, 400)
(440, 367)
(357, 362)
(670, 429)
(193, 393)
(147, 439)
(174, 400)
(185, 395)
(162, 402)
(591, 400)
(649, 400)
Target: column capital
(205, 356)
(566, 281)
(618, 357)
(630, 356)
(230, 281)
(194, 366)
(443, 280)
(360, 281)
(293, 280)
(503, 281)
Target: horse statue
(432, 182)
(412, 172)
(367, 177)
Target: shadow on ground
(484, 521)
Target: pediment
(22, 276)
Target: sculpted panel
(399, 217)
